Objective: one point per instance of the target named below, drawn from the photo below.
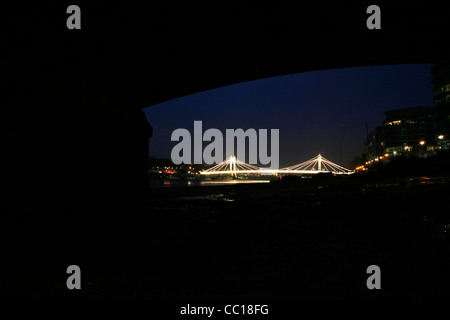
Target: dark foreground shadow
(313, 239)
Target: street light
(440, 137)
(422, 143)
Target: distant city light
(441, 137)
(360, 168)
(422, 143)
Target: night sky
(316, 112)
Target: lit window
(396, 122)
(447, 87)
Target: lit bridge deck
(316, 165)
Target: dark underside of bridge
(72, 100)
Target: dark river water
(164, 183)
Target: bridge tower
(232, 166)
(319, 163)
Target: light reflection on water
(158, 183)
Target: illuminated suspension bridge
(318, 164)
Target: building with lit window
(409, 131)
(375, 143)
(418, 131)
(440, 78)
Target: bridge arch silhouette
(72, 102)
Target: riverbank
(307, 239)
(315, 239)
